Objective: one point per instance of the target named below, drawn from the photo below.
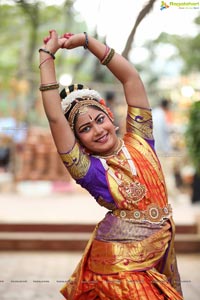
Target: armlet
(139, 121)
(76, 162)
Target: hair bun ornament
(64, 94)
(71, 88)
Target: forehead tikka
(83, 110)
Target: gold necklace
(133, 191)
(114, 152)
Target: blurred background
(45, 219)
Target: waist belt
(153, 213)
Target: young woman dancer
(131, 252)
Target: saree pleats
(148, 285)
(120, 286)
(123, 271)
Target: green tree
(193, 144)
(24, 25)
(187, 46)
(27, 22)
(193, 135)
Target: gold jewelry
(80, 106)
(77, 96)
(83, 110)
(115, 152)
(108, 57)
(76, 162)
(133, 191)
(47, 87)
(153, 213)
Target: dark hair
(70, 89)
(165, 103)
(110, 95)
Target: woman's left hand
(73, 40)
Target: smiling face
(96, 131)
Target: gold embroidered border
(76, 162)
(112, 257)
(139, 121)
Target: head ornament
(76, 97)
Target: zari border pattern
(76, 162)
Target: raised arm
(61, 131)
(133, 87)
(123, 70)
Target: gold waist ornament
(153, 214)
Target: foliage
(9, 41)
(25, 23)
(187, 46)
(24, 27)
(193, 135)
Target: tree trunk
(146, 9)
(32, 12)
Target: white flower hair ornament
(84, 93)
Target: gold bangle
(108, 57)
(47, 87)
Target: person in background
(11, 134)
(131, 252)
(162, 127)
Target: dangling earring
(116, 128)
